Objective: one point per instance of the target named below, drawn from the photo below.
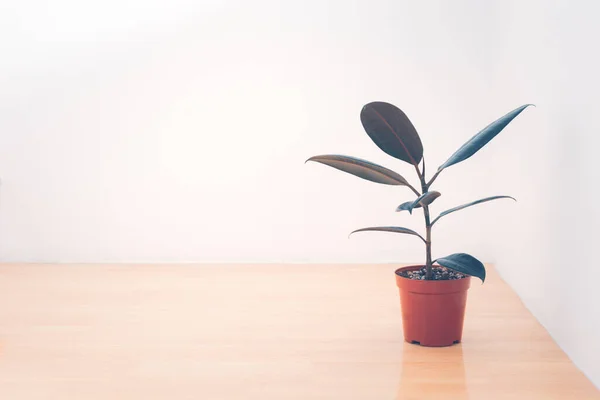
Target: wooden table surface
(259, 332)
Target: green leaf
(423, 200)
(406, 205)
(482, 138)
(361, 168)
(394, 229)
(465, 264)
(392, 131)
(427, 198)
(451, 210)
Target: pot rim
(439, 287)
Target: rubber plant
(391, 130)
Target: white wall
(177, 131)
(545, 53)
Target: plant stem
(428, 263)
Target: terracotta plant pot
(433, 312)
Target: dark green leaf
(392, 131)
(394, 229)
(465, 264)
(482, 138)
(406, 205)
(361, 168)
(469, 205)
(423, 200)
(427, 198)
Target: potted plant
(432, 295)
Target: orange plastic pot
(433, 312)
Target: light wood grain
(259, 332)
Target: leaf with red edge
(361, 168)
(392, 131)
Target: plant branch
(418, 172)
(433, 178)
(415, 191)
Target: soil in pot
(438, 274)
